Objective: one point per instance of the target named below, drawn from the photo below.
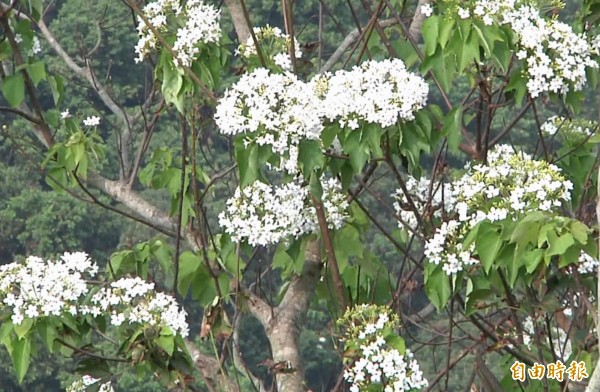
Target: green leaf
(437, 286)
(488, 244)
(571, 256)
(579, 231)
(13, 89)
(310, 156)
(346, 243)
(515, 264)
(6, 329)
(526, 232)
(189, 263)
(559, 245)
(396, 342)
(57, 87)
(533, 259)
(445, 28)
(247, 161)
(483, 42)
(469, 53)
(172, 84)
(518, 85)
(49, 333)
(21, 357)
(23, 329)
(167, 343)
(315, 187)
(37, 72)
(430, 31)
(452, 128)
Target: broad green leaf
(452, 128)
(57, 87)
(514, 265)
(532, 259)
(579, 231)
(13, 89)
(437, 286)
(470, 52)
(21, 357)
(189, 264)
(526, 232)
(37, 72)
(430, 32)
(315, 187)
(487, 47)
(6, 329)
(247, 161)
(310, 155)
(559, 245)
(571, 256)
(49, 333)
(23, 329)
(346, 243)
(445, 28)
(167, 343)
(518, 85)
(396, 342)
(488, 244)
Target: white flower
(556, 57)
(508, 187)
(36, 47)
(374, 92)
(273, 43)
(263, 214)
(198, 23)
(587, 263)
(442, 200)
(463, 13)
(81, 385)
(275, 109)
(65, 114)
(427, 10)
(91, 121)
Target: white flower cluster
(39, 288)
(509, 186)
(576, 128)
(555, 55)
(274, 43)
(380, 364)
(446, 248)
(441, 200)
(587, 263)
(427, 10)
(276, 108)
(136, 301)
(36, 45)
(200, 25)
(91, 121)
(263, 214)
(376, 92)
(560, 339)
(84, 382)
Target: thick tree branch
(239, 20)
(211, 370)
(414, 30)
(284, 328)
(350, 39)
(87, 74)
